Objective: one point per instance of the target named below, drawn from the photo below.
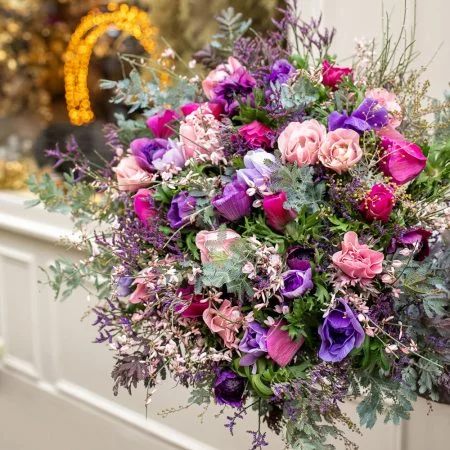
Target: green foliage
(304, 317)
(371, 356)
(300, 94)
(201, 393)
(148, 96)
(423, 378)
(261, 380)
(306, 226)
(301, 191)
(385, 397)
(258, 227)
(65, 276)
(48, 193)
(231, 28)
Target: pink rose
(130, 176)
(280, 346)
(158, 123)
(277, 217)
(340, 150)
(401, 160)
(144, 205)
(299, 143)
(199, 132)
(389, 101)
(219, 74)
(357, 260)
(215, 245)
(332, 75)
(378, 203)
(256, 134)
(225, 321)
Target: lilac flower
(182, 206)
(145, 150)
(368, 116)
(297, 282)
(253, 344)
(233, 203)
(234, 89)
(229, 388)
(340, 332)
(259, 166)
(281, 71)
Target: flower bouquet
(270, 232)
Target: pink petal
(280, 346)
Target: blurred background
(55, 389)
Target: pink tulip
(280, 346)
(158, 123)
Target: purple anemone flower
(146, 149)
(340, 332)
(233, 203)
(182, 206)
(259, 166)
(236, 88)
(281, 71)
(229, 388)
(414, 237)
(253, 344)
(297, 282)
(298, 258)
(368, 116)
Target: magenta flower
(332, 75)
(368, 116)
(229, 388)
(340, 333)
(253, 344)
(215, 108)
(297, 282)
(159, 122)
(181, 208)
(401, 160)
(256, 134)
(145, 150)
(280, 71)
(191, 305)
(233, 203)
(378, 203)
(144, 206)
(280, 346)
(277, 217)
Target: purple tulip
(297, 282)
(253, 344)
(368, 116)
(236, 88)
(182, 206)
(124, 286)
(259, 166)
(229, 388)
(416, 237)
(280, 346)
(233, 203)
(145, 149)
(298, 258)
(158, 123)
(340, 332)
